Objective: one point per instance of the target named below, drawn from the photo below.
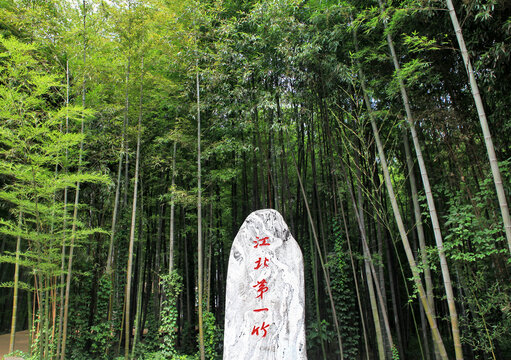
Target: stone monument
(265, 302)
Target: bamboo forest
(136, 136)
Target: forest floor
(21, 343)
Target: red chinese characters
(261, 286)
(261, 263)
(255, 330)
(261, 242)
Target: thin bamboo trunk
(406, 245)
(256, 200)
(374, 308)
(46, 317)
(77, 199)
(172, 210)
(431, 203)
(15, 295)
(125, 156)
(42, 317)
(315, 193)
(69, 273)
(109, 262)
(209, 258)
(314, 271)
(30, 322)
(404, 238)
(199, 224)
(322, 263)
(394, 301)
(424, 331)
(54, 333)
(359, 210)
(420, 231)
(364, 332)
(402, 232)
(64, 226)
(133, 219)
(139, 296)
(187, 286)
(501, 195)
(132, 227)
(272, 168)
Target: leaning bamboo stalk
(364, 332)
(316, 241)
(420, 235)
(429, 197)
(397, 214)
(418, 222)
(358, 207)
(406, 244)
(372, 277)
(404, 239)
(497, 178)
(374, 307)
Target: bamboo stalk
(431, 203)
(172, 210)
(15, 295)
(397, 214)
(132, 235)
(199, 222)
(497, 178)
(75, 209)
(327, 280)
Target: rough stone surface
(277, 333)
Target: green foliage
(19, 354)
(186, 357)
(151, 341)
(82, 334)
(473, 236)
(476, 245)
(395, 352)
(318, 331)
(33, 153)
(419, 43)
(487, 317)
(343, 292)
(102, 335)
(172, 285)
(211, 336)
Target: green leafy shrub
(344, 294)
(211, 336)
(172, 285)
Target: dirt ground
(21, 343)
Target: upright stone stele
(265, 302)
